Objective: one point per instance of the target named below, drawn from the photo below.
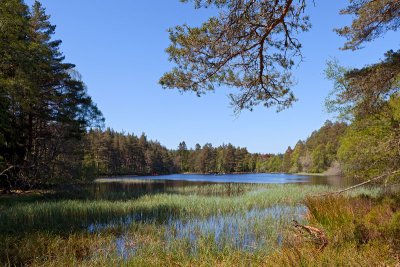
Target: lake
(231, 184)
(249, 178)
(257, 178)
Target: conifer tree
(45, 104)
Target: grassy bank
(194, 227)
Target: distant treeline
(111, 153)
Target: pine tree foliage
(372, 19)
(251, 46)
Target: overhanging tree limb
(361, 184)
(250, 46)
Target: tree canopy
(372, 19)
(251, 46)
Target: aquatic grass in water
(166, 225)
(250, 230)
(73, 215)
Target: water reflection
(229, 185)
(257, 178)
(133, 188)
(334, 181)
(254, 178)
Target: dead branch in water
(4, 173)
(318, 236)
(358, 185)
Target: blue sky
(119, 48)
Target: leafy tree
(229, 159)
(112, 153)
(252, 162)
(274, 164)
(306, 162)
(14, 21)
(206, 159)
(296, 165)
(371, 146)
(287, 160)
(369, 97)
(319, 159)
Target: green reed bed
(230, 189)
(65, 215)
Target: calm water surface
(257, 178)
(234, 184)
(125, 187)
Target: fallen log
(318, 236)
(6, 170)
